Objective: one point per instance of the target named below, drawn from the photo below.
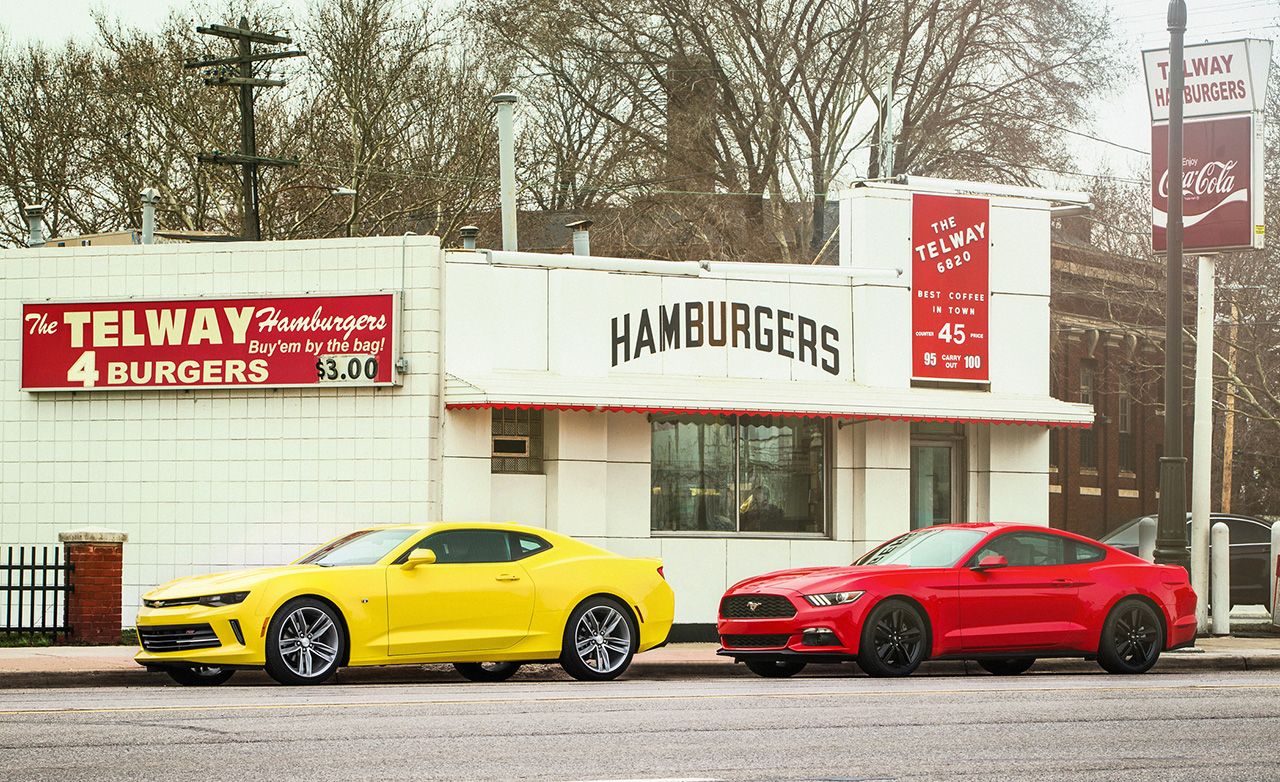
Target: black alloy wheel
(775, 669)
(1132, 638)
(487, 672)
(895, 639)
(1009, 666)
(200, 675)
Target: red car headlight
(833, 598)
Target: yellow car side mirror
(420, 556)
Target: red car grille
(754, 641)
(756, 607)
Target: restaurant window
(1128, 455)
(739, 474)
(1088, 437)
(937, 474)
(517, 441)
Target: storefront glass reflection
(738, 474)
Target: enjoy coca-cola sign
(1217, 192)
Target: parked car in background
(1250, 553)
(485, 597)
(1001, 594)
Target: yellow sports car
(485, 597)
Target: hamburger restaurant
(234, 405)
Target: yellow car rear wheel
(600, 640)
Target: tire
(1010, 666)
(305, 642)
(600, 639)
(775, 669)
(1132, 638)
(895, 639)
(486, 672)
(200, 675)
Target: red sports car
(1001, 594)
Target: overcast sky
(1122, 119)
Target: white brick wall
(214, 479)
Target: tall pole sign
(1223, 92)
(1206, 196)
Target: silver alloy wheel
(308, 641)
(603, 639)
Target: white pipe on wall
(506, 103)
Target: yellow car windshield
(359, 548)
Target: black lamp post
(1171, 530)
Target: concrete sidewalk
(81, 666)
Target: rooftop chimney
(35, 225)
(581, 236)
(469, 234)
(150, 196)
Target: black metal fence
(33, 597)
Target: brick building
(1107, 339)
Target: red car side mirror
(990, 562)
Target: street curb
(713, 668)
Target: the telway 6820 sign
(950, 287)
(200, 343)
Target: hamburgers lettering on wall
(725, 324)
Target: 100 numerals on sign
(950, 287)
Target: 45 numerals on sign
(346, 368)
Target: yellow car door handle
(508, 577)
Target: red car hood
(813, 580)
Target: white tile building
(565, 401)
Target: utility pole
(248, 158)
(1171, 530)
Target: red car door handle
(1064, 582)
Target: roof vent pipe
(469, 234)
(35, 225)
(150, 196)
(506, 103)
(581, 236)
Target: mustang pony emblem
(752, 605)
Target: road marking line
(620, 697)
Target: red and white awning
(711, 396)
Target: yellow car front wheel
(305, 642)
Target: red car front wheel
(895, 639)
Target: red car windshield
(932, 547)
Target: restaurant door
(937, 474)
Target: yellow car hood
(216, 583)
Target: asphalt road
(1219, 726)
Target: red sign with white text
(1217, 192)
(950, 287)
(202, 343)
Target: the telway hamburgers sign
(275, 341)
(1223, 94)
